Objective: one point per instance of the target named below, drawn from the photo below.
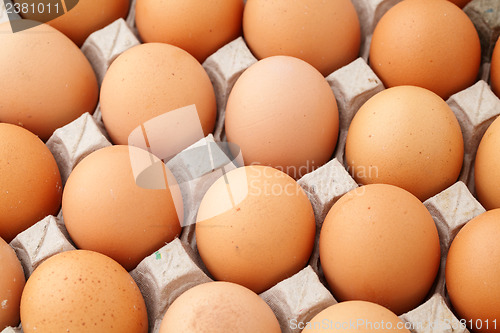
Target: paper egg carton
(177, 266)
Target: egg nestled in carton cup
(302, 297)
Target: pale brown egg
(106, 211)
(281, 112)
(354, 316)
(150, 80)
(406, 136)
(82, 291)
(199, 27)
(221, 307)
(46, 80)
(495, 69)
(326, 34)
(255, 227)
(30, 182)
(427, 43)
(487, 167)
(472, 271)
(379, 243)
(11, 286)
(78, 21)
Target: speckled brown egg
(11, 286)
(221, 307)
(30, 182)
(255, 227)
(106, 211)
(150, 80)
(472, 270)
(46, 80)
(405, 136)
(82, 291)
(379, 244)
(326, 34)
(427, 43)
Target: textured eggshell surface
(221, 307)
(30, 182)
(106, 211)
(82, 291)
(427, 43)
(46, 80)
(406, 136)
(255, 227)
(380, 244)
(11, 286)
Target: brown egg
(30, 183)
(487, 167)
(83, 19)
(408, 137)
(495, 69)
(472, 271)
(199, 27)
(255, 227)
(82, 291)
(221, 307)
(105, 211)
(11, 286)
(427, 43)
(282, 113)
(46, 80)
(355, 316)
(150, 80)
(460, 3)
(380, 244)
(326, 34)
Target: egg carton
(177, 266)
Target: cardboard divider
(103, 46)
(475, 108)
(224, 67)
(176, 267)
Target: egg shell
(427, 312)
(11, 286)
(405, 136)
(199, 27)
(150, 80)
(281, 112)
(326, 34)
(426, 43)
(82, 291)
(219, 307)
(255, 227)
(487, 167)
(85, 17)
(46, 80)
(106, 211)
(355, 316)
(30, 183)
(472, 271)
(495, 69)
(379, 243)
